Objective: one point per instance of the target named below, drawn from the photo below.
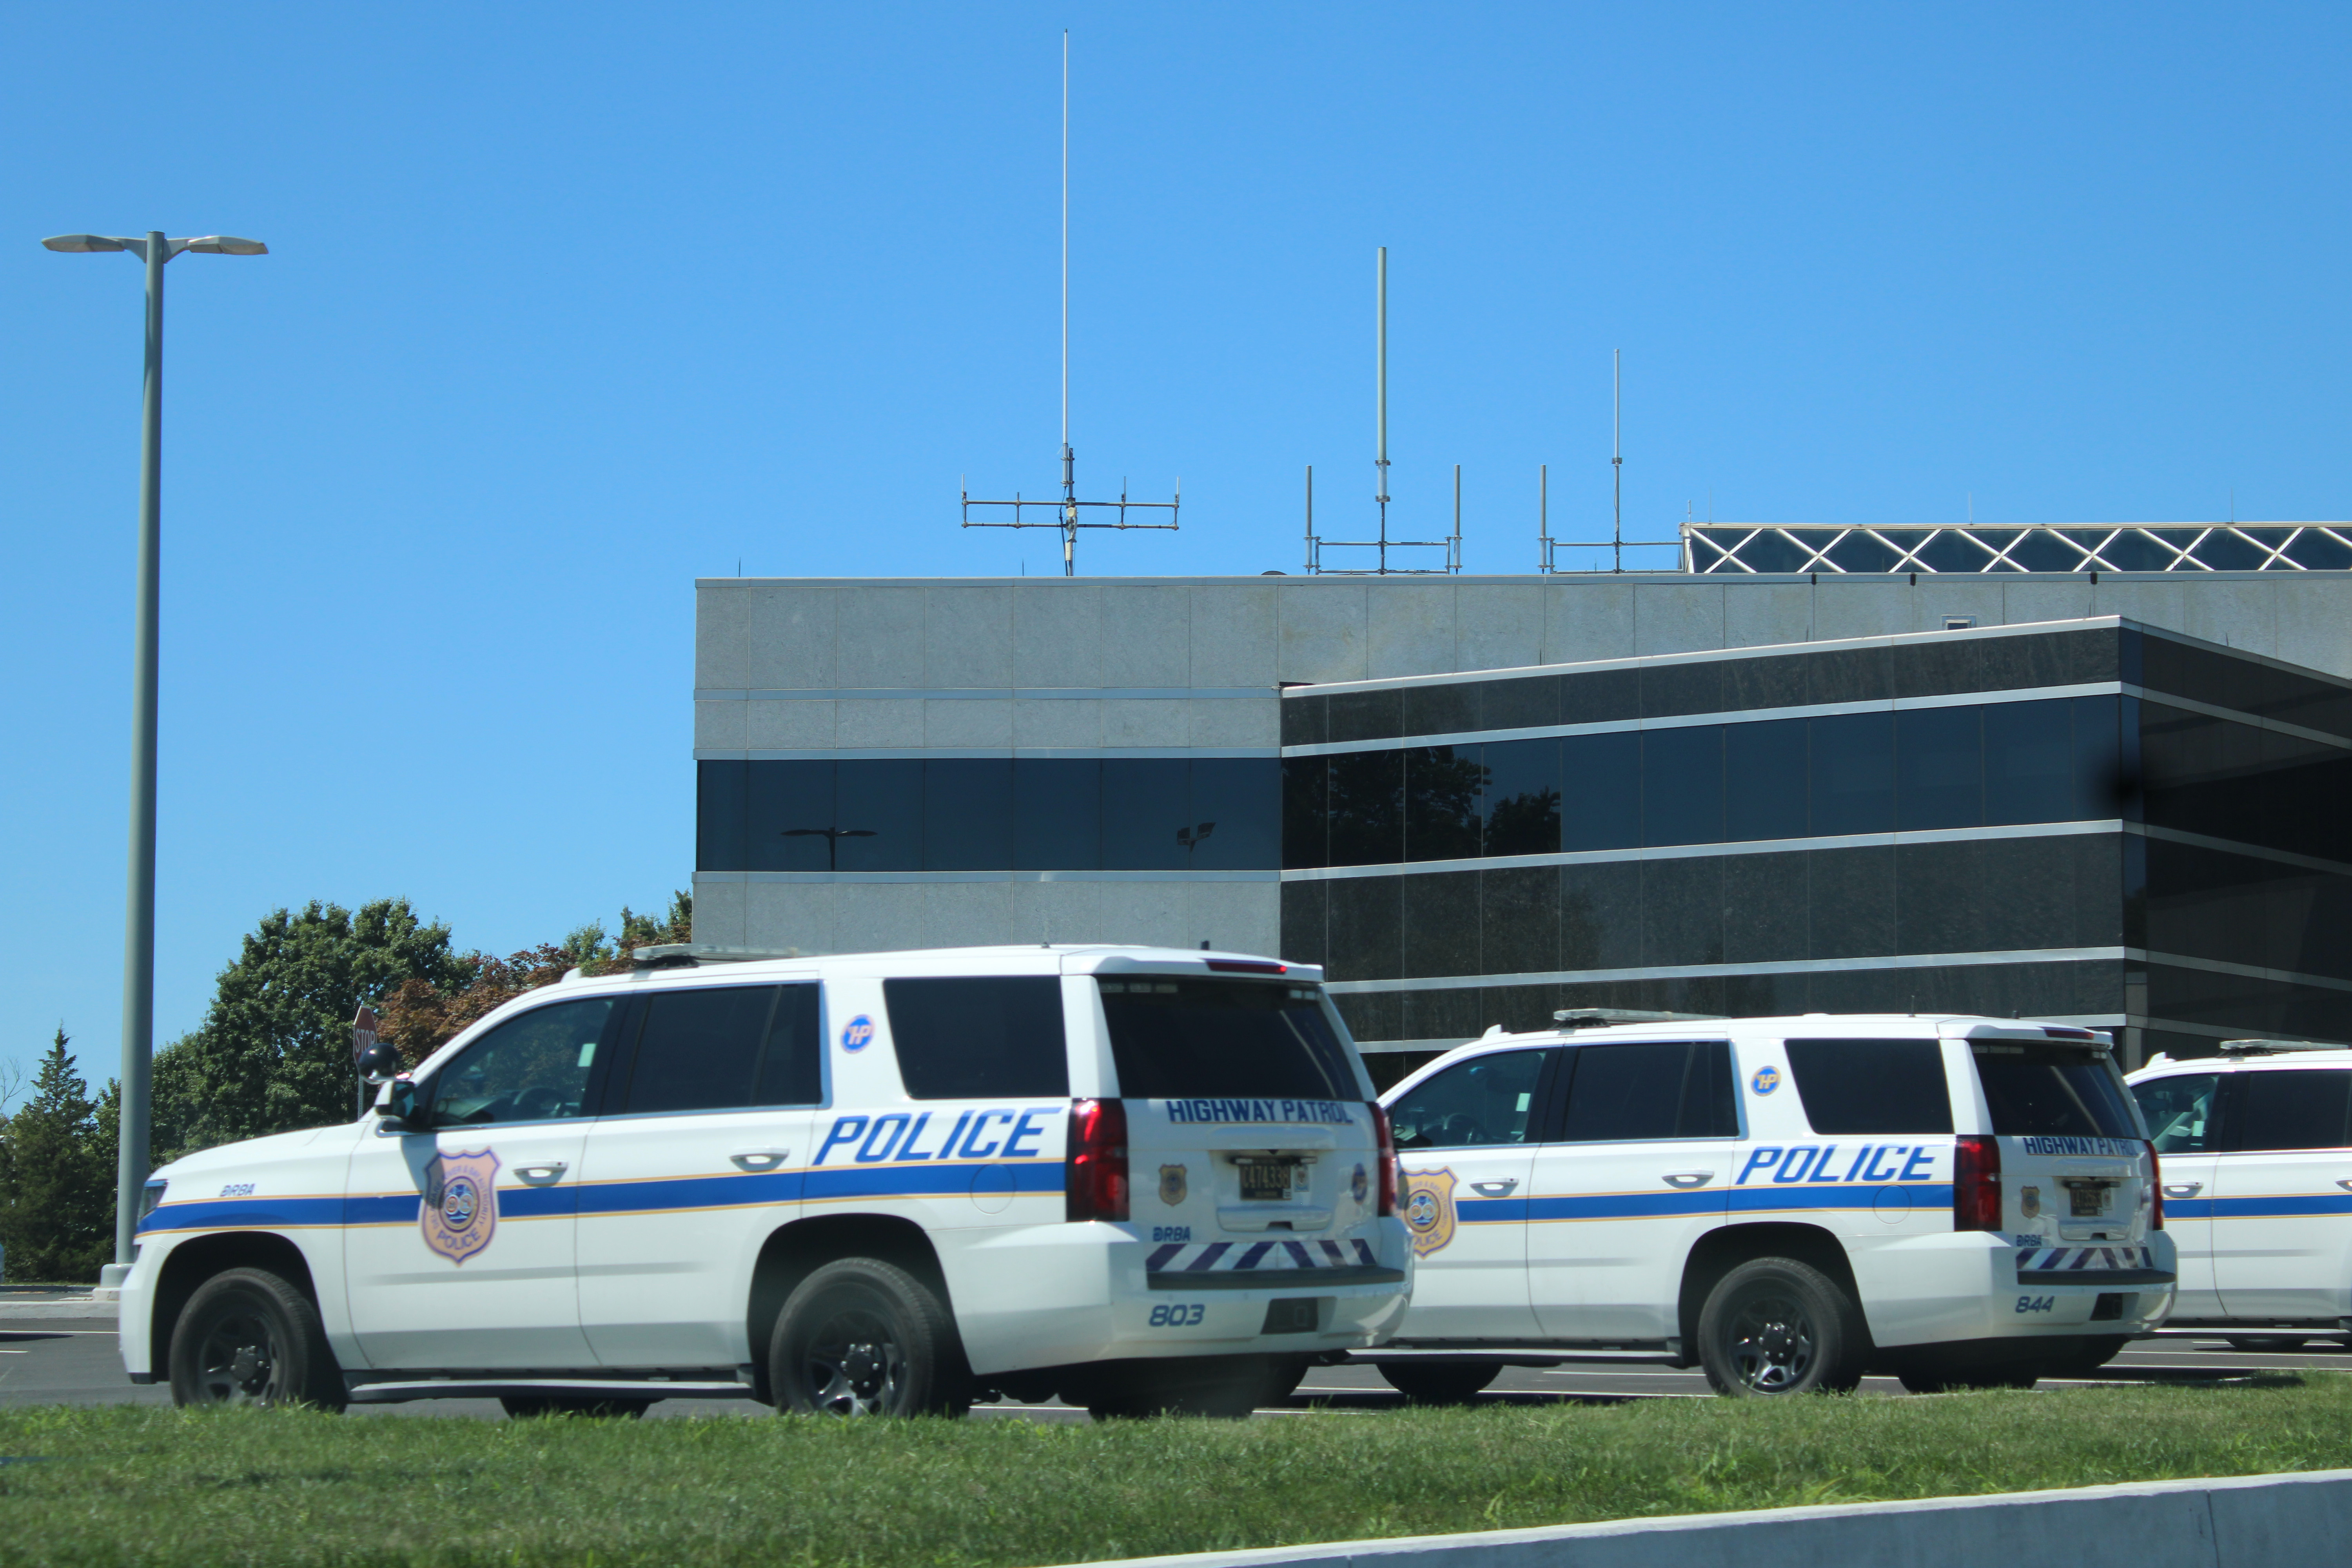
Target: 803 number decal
(1177, 1315)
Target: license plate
(1271, 1182)
(2089, 1201)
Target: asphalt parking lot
(73, 1361)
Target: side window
(2180, 1111)
(1667, 1090)
(1486, 1100)
(1866, 1087)
(725, 1047)
(985, 1038)
(530, 1068)
(2287, 1110)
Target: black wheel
(2268, 1344)
(522, 1406)
(1438, 1381)
(862, 1337)
(1774, 1325)
(248, 1337)
(1228, 1387)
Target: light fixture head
(227, 245)
(81, 242)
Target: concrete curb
(2297, 1520)
(78, 1307)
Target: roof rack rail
(2269, 1047)
(1598, 1017)
(689, 954)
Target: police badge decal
(1429, 1210)
(1171, 1183)
(460, 1211)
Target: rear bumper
(1965, 1284)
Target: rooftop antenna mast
(1451, 545)
(1616, 543)
(1066, 509)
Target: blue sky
(570, 305)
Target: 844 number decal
(2036, 1303)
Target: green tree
(274, 1050)
(57, 1176)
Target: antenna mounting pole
(1617, 459)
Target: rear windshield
(1872, 1086)
(1183, 1040)
(2054, 1092)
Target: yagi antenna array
(1066, 509)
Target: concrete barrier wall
(2302, 1520)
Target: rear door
(1466, 1136)
(2182, 1113)
(1250, 1135)
(1639, 1170)
(2282, 1215)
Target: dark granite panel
(2098, 889)
(1519, 1008)
(1764, 908)
(1682, 910)
(1778, 683)
(1304, 907)
(2134, 889)
(1367, 715)
(2085, 657)
(1306, 721)
(1440, 1015)
(1939, 669)
(1441, 924)
(1852, 903)
(1600, 696)
(1371, 1015)
(1766, 996)
(1521, 704)
(1518, 920)
(2027, 888)
(1668, 689)
(1365, 930)
(2026, 661)
(1600, 915)
(1451, 708)
(1938, 898)
(1700, 993)
(2258, 1007)
(1848, 675)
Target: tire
(2087, 1361)
(2268, 1344)
(524, 1406)
(862, 1337)
(1224, 1387)
(1440, 1382)
(1775, 1326)
(249, 1337)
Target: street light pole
(139, 924)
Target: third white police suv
(1138, 1179)
(1787, 1201)
(2257, 1150)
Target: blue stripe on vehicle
(248, 1214)
(2276, 1206)
(1701, 1200)
(1861, 1195)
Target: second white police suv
(1787, 1203)
(1138, 1179)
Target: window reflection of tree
(1365, 787)
(1441, 788)
(1524, 823)
(529, 1068)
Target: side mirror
(399, 1102)
(380, 1063)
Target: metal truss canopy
(1746, 548)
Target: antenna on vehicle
(1066, 509)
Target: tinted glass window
(1486, 1101)
(792, 1064)
(1305, 824)
(792, 814)
(2054, 1092)
(699, 1050)
(530, 1068)
(1661, 1090)
(1601, 791)
(1056, 813)
(986, 1037)
(2180, 1111)
(1939, 768)
(879, 822)
(1682, 785)
(1181, 1039)
(719, 806)
(1240, 798)
(2029, 763)
(1366, 793)
(2099, 764)
(1521, 800)
(1442, 787)
(1767, 776)
(1853, 774)
(2288, 1111)
(968, 813)
(1144, 809)
(1872, 1086)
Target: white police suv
(1786, 1202)
(1138, 1179)
(2257, 1149)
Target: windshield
(1181, 1039)
(2054, 1092)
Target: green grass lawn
(93, 1486)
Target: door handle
(541, 1176)
(1495, 1189)
(2190, 1189)
(759, 1160)
(1687, 1179)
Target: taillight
(1976, 1183)
(1389, 1169)
(2154, 1189)
(1093, 1177)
